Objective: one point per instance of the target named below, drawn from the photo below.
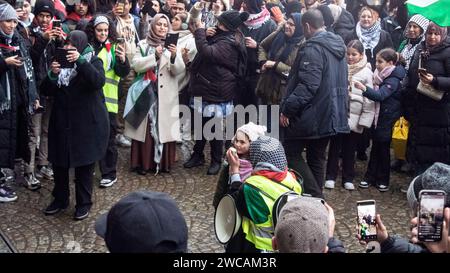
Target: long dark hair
(90, 30)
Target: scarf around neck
(255, 21)
(378, 78)
(369, 37)
(355, 68)
(281, 40)
(67, 74)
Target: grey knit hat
(7, 12)
(302, 227)
(436, 177)
(268, 150)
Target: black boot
(214, 168)
(194, 161)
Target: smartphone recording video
(56, 24)
(431, 215)
(366, 220)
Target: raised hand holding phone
(366, 213)
(431, 215)
(120, 53)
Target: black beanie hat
(44, 6)
(232, 19)
(293, 7)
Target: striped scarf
(255, 21)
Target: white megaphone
(227, 220)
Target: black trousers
(109, 162)
(345, 143)
(313, 172)
(247, 94)
(364, 141)
(379, 167)
(216, 145)
(83, 185)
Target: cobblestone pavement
(30, 230)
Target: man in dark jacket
(316, 104)
(257, 27)
(214, 79)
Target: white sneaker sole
(8, 199)
(107, 185)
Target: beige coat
(186, 40)
(168, 105)
(362, 110)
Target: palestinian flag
(437, 11)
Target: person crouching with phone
(102, 35)
(433, 182)
(79, 125)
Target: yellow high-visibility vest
(111, 87)
(261, 234)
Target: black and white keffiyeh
(268, 153)
(369, 37)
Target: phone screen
(366, 220)
(431, 215)
(56, 23)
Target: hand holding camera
(55, 67)
(120, 53)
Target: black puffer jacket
(344, 26)
(429, 132)
(317, 95)
(215, 68)
(389, 97)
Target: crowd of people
(77, 81)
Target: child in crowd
(241, 144)
(386, 93)
(362, 113)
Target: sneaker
(81, 214)
(54, 208)
(7, 194)
(329, 184)
(214, 168)
(349, 186)
(105, 183)
(123, 141)
(44, 172)
(364, 184)
(6, 175)
(31, 182)
(382, 188)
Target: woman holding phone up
(102, 35)
(429, 132)
(154, 134)
(79, 123)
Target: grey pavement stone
(31, 231)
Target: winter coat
(317, 95)
(168, 104)
(396, 244)
(384, 42)
(344, 26)
(14, 122)
(214, 71)
(429, 132)
(362, 109)
(258, 35)
(391, 26)
(389, 97)
(78, 130)
(271, 87)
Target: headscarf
(409, 49)
(153, 39)
(268, 158)
(80, 41)
(441, 30)
(281, 39)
